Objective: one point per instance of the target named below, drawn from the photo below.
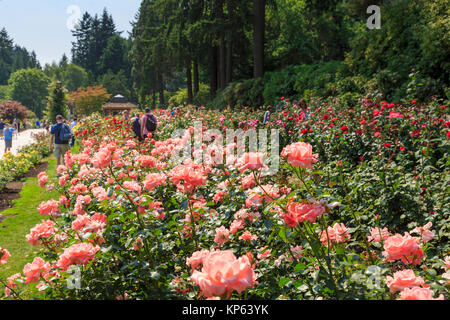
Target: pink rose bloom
(247, 236)
(196, 259)
(154, 180)
(33, 271)
(222, 235)
(102, 158)
(299, 154)
(63, 180)
(336, 234)
(81, 254)
(61, 169)
(42, 179)
(188, 177)
(403, 279)
(425, 232)
(85, 223)
(4, 256)
(99, 193)
(222, 273)
(50, 207)
(78, 188)
(146, 161)
(251, 160)
(237, 225)
(418, 293)
(131, 144)
(375, 234)
(299, 212)
(132, 186)
(248, 182)
(405, 248)
(41, 231)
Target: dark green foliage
(30, 87)
(56, 105)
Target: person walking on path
(61, 134)
(148, 123)
(8, 134)
(38, 124)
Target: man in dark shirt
(59, 147)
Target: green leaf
(283, 282)
(300, 266)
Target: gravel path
(19, 140)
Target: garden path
(19, 140)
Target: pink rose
(222, 273)
(376, 234)
(154, 180)
(34, 270)
(299, 154)
(247, 236)
(338, 233)
(418, 293)
(80, 253)
(4, 256)
(405, 248)
(403, 279)
(41, 231)
(222, 235)
(252, 161)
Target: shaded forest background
(236, 53)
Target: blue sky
(41, 25)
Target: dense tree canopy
(30, 87)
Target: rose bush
(349, 215)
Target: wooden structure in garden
(118, 104)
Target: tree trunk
(189, 81)
(229, 73)
(196, 82)
(161, 89)
(222, 56)
(229, 62)
(259, 10)
(213, 78)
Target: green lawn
(14, 229)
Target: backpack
(65, 134)
(150, 123)
(137, 127)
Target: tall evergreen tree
(56, 105)
(6, 60)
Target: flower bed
(357, 210)
(13, 166)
